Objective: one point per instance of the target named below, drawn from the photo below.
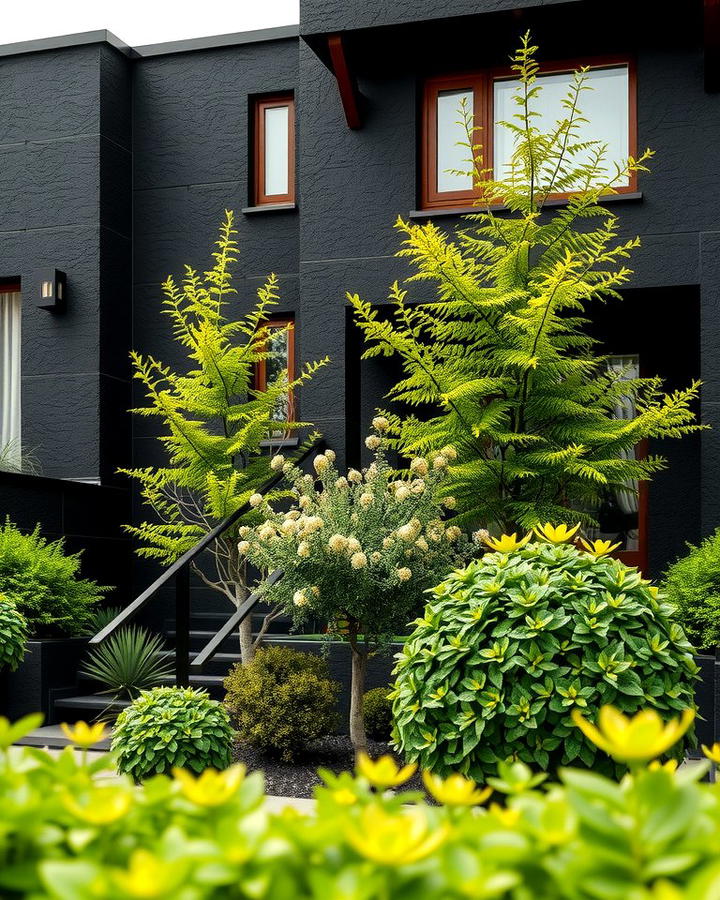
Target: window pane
(451, 131)
(10, 349)
(605, 107)
(277, 120)
(276, 365)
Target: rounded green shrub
(169, 726)
(512, 644)
(45, 582)
(13, 634)
(282, 700)
(692, 585)
(377, 713)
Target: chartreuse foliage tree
(513, 645)
(71, 835)
(213, 421)
(502, 355)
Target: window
(609, 108)
(623, 513)
(10, 349)
(274, 142)
(281, 347)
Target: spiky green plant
(100, 618)
(502, 355)
(128, 662)
(215, 424)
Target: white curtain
(627, 499)
(10, 319)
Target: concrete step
(53, 738)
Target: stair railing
(180, 572)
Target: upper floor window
(10, 351)
(608, 113)
(274, 145)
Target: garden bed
(298, 779)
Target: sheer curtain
(627, 499)
(10, 319)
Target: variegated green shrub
(512, 644)
(13, 634)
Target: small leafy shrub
(692, 585)
(167, 727)
(45, 583)
(99, 618)
(128, 662)
(68, 835)
(377, 713)
(282, 700)
(13, 634)
(512, 644)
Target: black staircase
(204, 645)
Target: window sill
(633, 196)
(269, 208)
(281, 443)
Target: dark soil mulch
(299, 778)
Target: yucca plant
(128, 662)
(100, 618)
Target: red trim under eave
(345, 80)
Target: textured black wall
(65, 202)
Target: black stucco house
(116, 164)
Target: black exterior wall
(116, 166)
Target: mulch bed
(299, 778)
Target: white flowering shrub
(359, 549)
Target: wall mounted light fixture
(52, 289)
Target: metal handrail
(180, 571)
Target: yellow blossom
(83, 735)
(358, 560)
(243, 547)
(103, 805)
(599, 548)
(387, 542)
(277, 462)
(505, 815)
(330, 454)
(303, 549)
(670, 765)
(344, 797)
(375, 556)
(402, 493)
(244, 531)
(384, 772)
(372, 471)
(507, 542)
(644, 736)
(372, 442)
(558, 534)
(422, 544)
(315, 590)
(304, 502)
(255, 500)
(449, 453)
(440, 462)
(419, 466)
(211, 788)
(353, 545)
(417, 486)
(480, 536)
(299, 598)
(453, 533)
(341, 483)
(338, 543)
(455, 790)
(449, 502)
(712, 753)
(366, 499)
(380, 423)
(288, 527)
(321, 463)
(148, 877)
(397, 838)
(404, 574)
(354, 476)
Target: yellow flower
(303, 549)
(506, 815)
(147, 876)
(449, 502)
(103, 805)
(344, 797)
(419, 466)
(644, 736)
(384, 772)
(255, 500)
(380, 423)
(358, 560)
(395, 838)
(404, 574)
(558, 534)
(599, 548)
(84, 735)
(372, 442)
(321, 463)
(212, 788)
(507, 543)
(300, 598)
(277, 462)
(338, 543)
(449, 453)
(456, 790)
(712, 753)
(453, 533)
(402, 493)
(670, 765)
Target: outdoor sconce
(52, 285)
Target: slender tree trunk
(358, 670)
(247, 649)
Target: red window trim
(10, 286)
(261, 104)
(287, 322)
(482, 84)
